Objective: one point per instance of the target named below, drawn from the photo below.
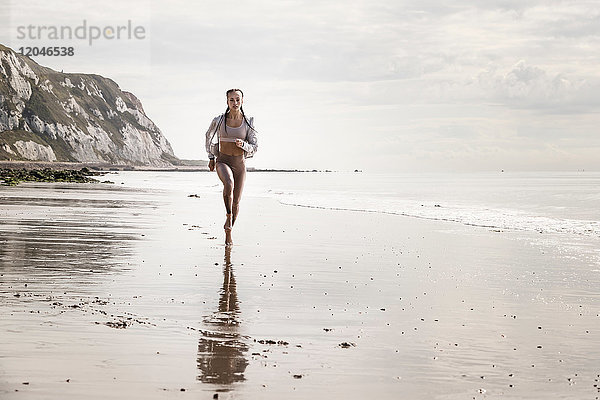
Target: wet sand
(112, 292)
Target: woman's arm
(250, 145)
(210, 133)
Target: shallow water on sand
(120, 291)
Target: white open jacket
(250, 144)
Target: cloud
(425, 77)
(561, 19)
(530, 87)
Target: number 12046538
(47, 51)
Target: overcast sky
(415, 85)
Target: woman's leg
(226, 176)
(239, 176)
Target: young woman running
(230, 139)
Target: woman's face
(235, 100)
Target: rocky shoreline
(189, 166)
(12, 177)
(54, 165)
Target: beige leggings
(232, 172)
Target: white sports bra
(232, 133)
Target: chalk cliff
(47, 115)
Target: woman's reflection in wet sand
(221, 348)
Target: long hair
(241, 109)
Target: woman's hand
(211, 164)
(239, 143)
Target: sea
(558, 210)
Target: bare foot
(228, 240)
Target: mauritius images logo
(83, 32)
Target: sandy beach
(121, 292)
